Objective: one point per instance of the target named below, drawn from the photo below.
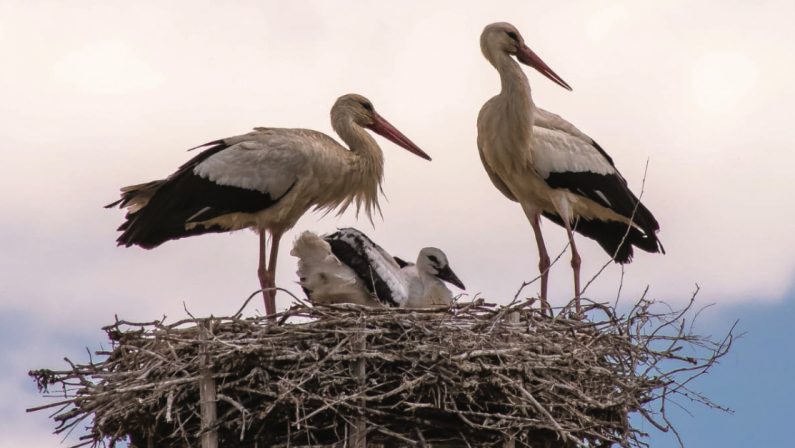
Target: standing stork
(266, 179)
(348, 267)
(551, 168)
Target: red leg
(543, 260)
(575, 266)
(275, 237)
(263, 274)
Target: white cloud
(107, 67)
(604, 20)
(723, 79)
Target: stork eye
(368, 106)
(433, 259)
(513, 35)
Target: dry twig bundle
(473, 375)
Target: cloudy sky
(97, 95)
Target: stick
(207, 393)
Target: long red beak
(382, 127)
(528, 57)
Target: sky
(98, 95)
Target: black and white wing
(378, 270)
(567, 158)
(401, 262)
(323, 277)
(243, 174)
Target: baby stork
(348, 267)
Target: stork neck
(365, 167)
(429, 280)
(514, 102)
(424, 272)
(515, 86)
(363, 145)
(434, 290)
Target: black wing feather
(348, 245)
(401, 262)
(184, 197)
(610, 191)
(603, 152)
(610, 234)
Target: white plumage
(560, 148)
(266, 162)
(324, 277)
(348, 267)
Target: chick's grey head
(434, 262)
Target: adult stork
(551, 168)
(348, 267)
(266, 180)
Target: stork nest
(472, 375)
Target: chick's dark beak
(449, 276)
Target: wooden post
(357, 431)
(513, 318)
(207, 392)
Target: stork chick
(348, 267)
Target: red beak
(528, 57)
(382, 127)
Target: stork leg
(575, 266)
(264, 278)
(275, 238)
(543, 260)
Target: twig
(498, 373)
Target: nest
(472, 375)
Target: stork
(348, 267)
(551, 168)
(266, 180)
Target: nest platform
(472, 375)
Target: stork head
(361, 111)
(433, 261)
(503, 38)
